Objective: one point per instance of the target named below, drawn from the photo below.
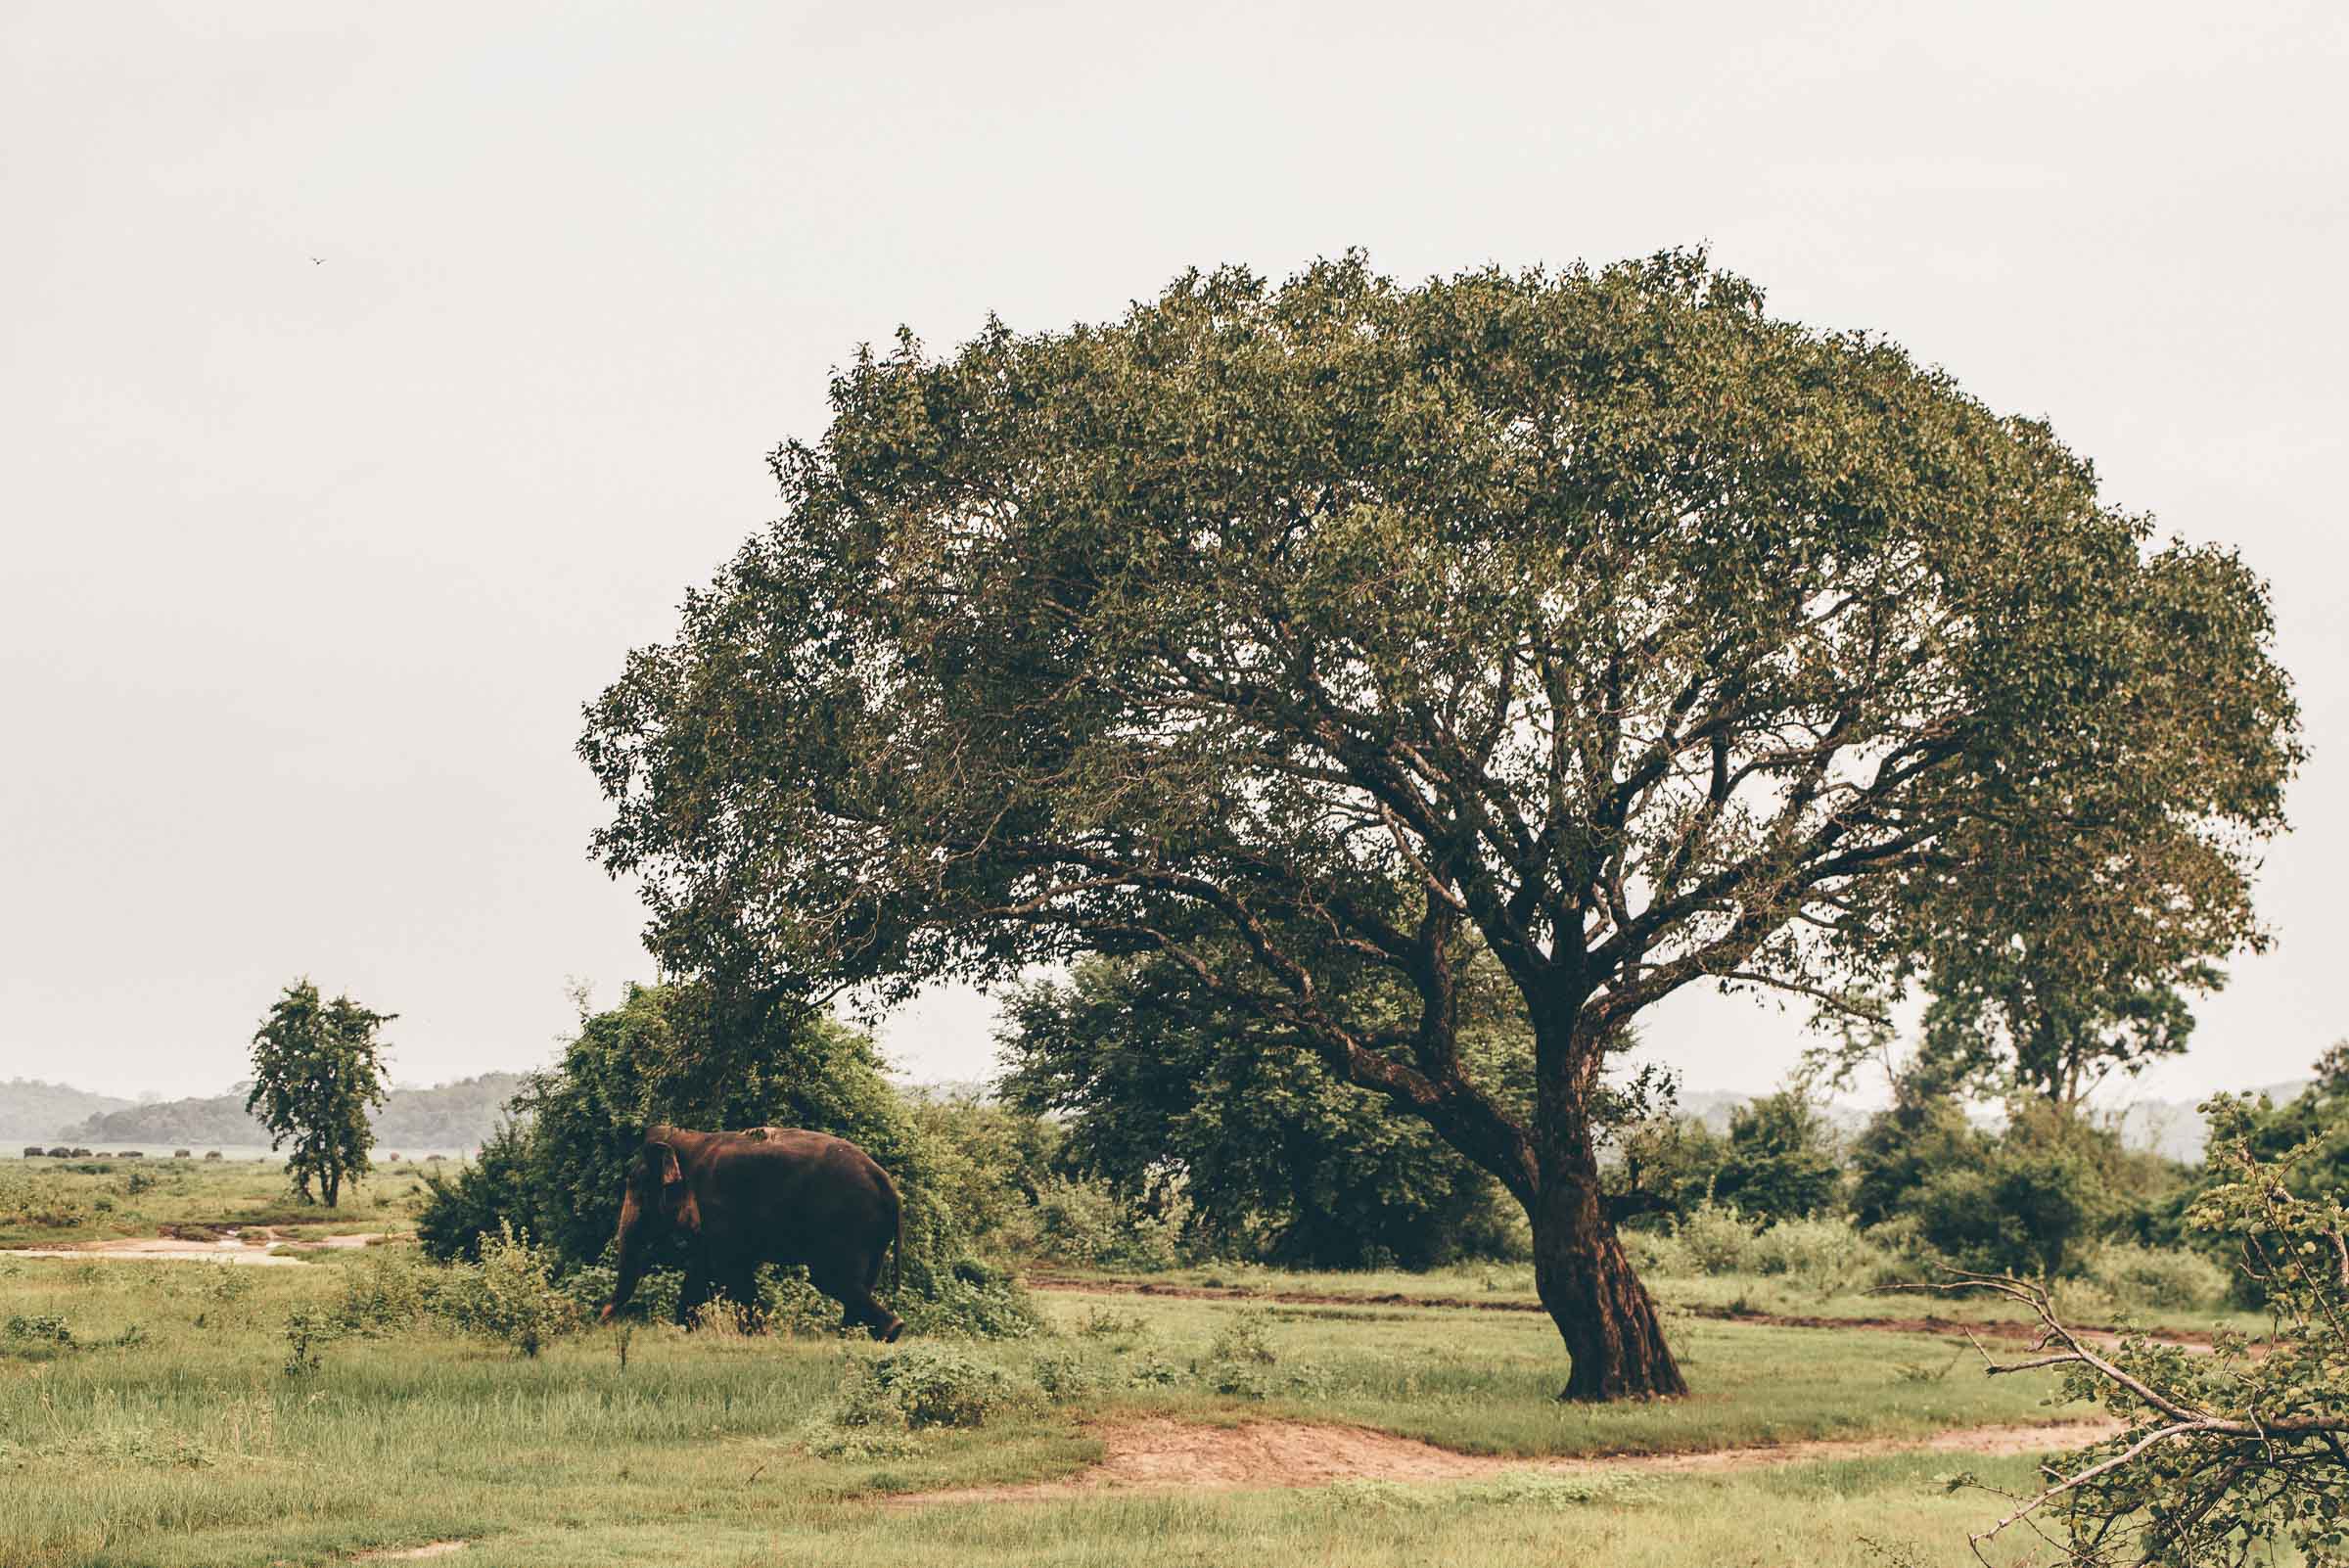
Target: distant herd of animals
(33, 1151)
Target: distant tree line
(449, 1116)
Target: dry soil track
(1161, 1454)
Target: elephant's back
(795, 1182)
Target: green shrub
(307, 1333)
(384, 1293)
(1715, 1239)
(1083, 1220)
(924, 1386)
(1107, 1323)
(509, 1297)
(42, 1328)
(1245, 1336)
(1821, 1252)
(2157, 1277)
(1536, 1490)
(1657, 1253)
(972, 1300)
(1068, 1374)
(40, 1202)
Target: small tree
(1783, 1160)
(2220, 1454)
(317, 1068)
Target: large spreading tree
(1592, 621)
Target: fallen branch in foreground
(2223, 1451)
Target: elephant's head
(656, 1201)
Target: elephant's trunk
(632, 1250)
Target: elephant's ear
(675, 1196)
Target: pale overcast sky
(374, 376)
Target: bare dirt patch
(256, 1246)
(435, 1549)
(1161, 1454)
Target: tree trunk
(1613, 1335)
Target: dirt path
(257, 1246)
(1987, 1329)
(1161, 1454)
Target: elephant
(769, 1194)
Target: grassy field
(53, 1202)
(164, 1429)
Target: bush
(972, 1300)
(990, 1160)
(1084, 1222)
(925, 1386)
(37, 1204)
(2157, 1277)
(43, 1328)
(306, 1334)
(510, 1297)
(1823, 1253)
(1068, 1374)
(1715, 1239)
(1239, 1362)
(384, 1293)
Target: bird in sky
(317, 260)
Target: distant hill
(447, 1115)
(31, 1109)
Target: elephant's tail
(896, 1256)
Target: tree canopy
(1592, 620)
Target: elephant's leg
(694, 1292)
(852, 1288)
(741, 1288)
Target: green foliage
(2305, 1140)
(924, 1386)
(971, 1301)
(2227, 1456)
(989, 1162)
(37, 1205)
(1069, 1375)
(2025, 1201)
(1322, 636)
(1782, 1161)
(487, 1191)
(39, 1328)
(1083, 1220)
(317, 1068)
(1200, 1138)
(384, 1293)
(510, 1296)
(1902, 1149)
(2139, 1278)
(307, 1334)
